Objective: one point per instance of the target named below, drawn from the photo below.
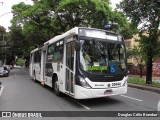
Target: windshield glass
(100, 57)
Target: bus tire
(34, 77)
(56, 87)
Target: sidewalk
(145, 87)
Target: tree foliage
(20, 62)
(45, 19)
(2, 36)
(4, 42)
(145, 14)
(137, 53)
(2, 30)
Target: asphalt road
(20, 93)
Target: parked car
(4, 71)
(8, 67)
(11, 66)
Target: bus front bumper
(84, 93)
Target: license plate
(110, 91)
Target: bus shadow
(105, 102)
(94, 102)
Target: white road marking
(81, 104)
(1, 90)
(131, 98)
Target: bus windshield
(99, 57)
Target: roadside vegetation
(20, 62)
(146, 14)
(141, 81)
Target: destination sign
(97, 34)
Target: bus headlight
(84, 83)
(125, 82)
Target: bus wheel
(34, 77)
(56, 87)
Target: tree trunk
(149, 71)
(140, 69)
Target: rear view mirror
(77, 45)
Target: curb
(143, 87)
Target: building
(130, 44)
(132, 62)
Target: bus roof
(34, 50)
(73, 31)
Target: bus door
(43, 61)
(69, 70)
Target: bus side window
(59, 51)
(55, 52)
(50, 53)
(37, 56)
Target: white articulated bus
(82, 63)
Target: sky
(6, 15)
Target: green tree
(2, 29)
(4, 45)
(56, 17)
(20, 61)
(45, 19)
(138, 54)
(146, 14)
(2, 35)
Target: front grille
(105, 78)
